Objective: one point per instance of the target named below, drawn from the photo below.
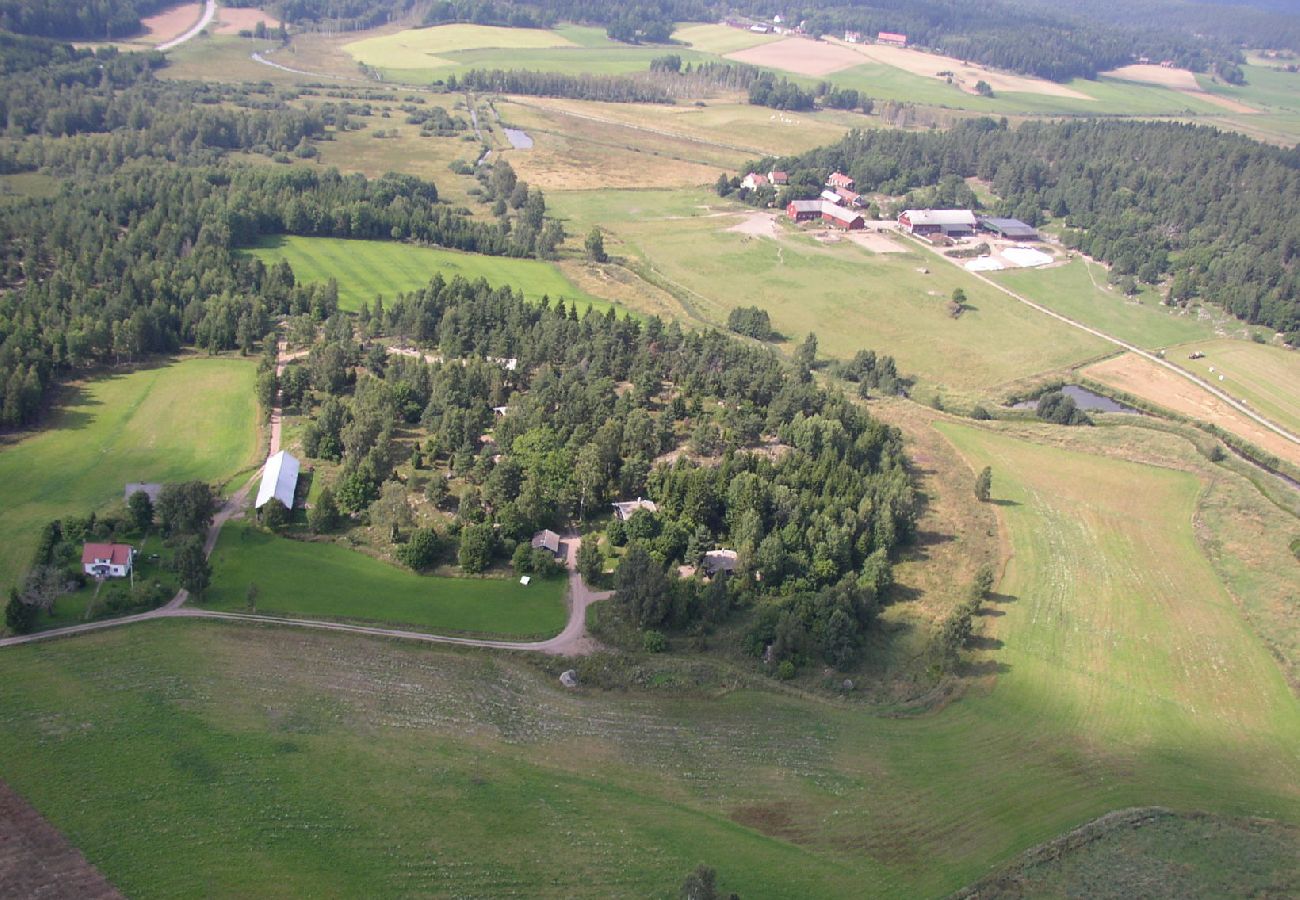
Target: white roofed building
(625, 509)
(279, 480)
(940, 221)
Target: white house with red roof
(777, 177)
(839, 180)
(107, 560)
(754, 181)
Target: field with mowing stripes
(365, 269)
(326, 581)
(1126, 676)
(126, 427)
(1267, 378)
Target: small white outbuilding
(279, 480)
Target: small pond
(1086, 400)
(519, 139)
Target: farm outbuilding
(831, 196)
(547, 540)
(952, 222)
(279, 480)
(892, 37)
(625, 509)
(804, 210)
(843, 218)
(1011, 229)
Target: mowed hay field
(366, 269)
(321, 580)
(292, 762)
(420, 48)
(851, 298)
(1267, 378)
(1079, 290)
(190, 419)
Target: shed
(1011, 229)
(716, 561)
(279, 480)
(625, 509)
(547, 540)
(831, 196)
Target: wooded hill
(1216, 214)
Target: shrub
(785, 671)
(422, 550)
(654, 641)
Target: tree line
(1212, 215)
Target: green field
(721, 39)
(1266, 377)
(851, 298)
(1079, 290)
(366, 269)
(326, 581)
(112, 430)
(419, 48)
(301, 763)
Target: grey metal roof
(279, 480)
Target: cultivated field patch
(1181, 80)
(420, 48)
(802, 56)
(367, 269)
(130, 426)
(926, 64)
(721, 39)
(37, 861)
(1266, 378)
(1143, 378)
(170, 23)
(234, 19)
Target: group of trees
(1215, 215)
(511, 449)
(582, 86)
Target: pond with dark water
(1086, 400)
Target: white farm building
(279, 480)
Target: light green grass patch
(174, 422)
(420, 48)
(1079, 290)
(366, 269)
(721, 39)
(1265, 377)
(321, 580)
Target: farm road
(209, 12)
(1138, 351)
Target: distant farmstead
(625, 509)
(107, 560)
(279, 480)
(892, 37)
(948, 222)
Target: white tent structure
(279, 480)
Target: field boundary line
(1131, 348)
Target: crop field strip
(1128, 678)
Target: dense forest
(738, 449)
(1216, 215)
(99, 20)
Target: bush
(1295, 547)
(785, 671)
(979, 413)
(654, 641)
(422, 550)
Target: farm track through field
(257, 57)
(1138, 351)
(209, 12)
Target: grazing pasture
(366, 269)
(327, 581)
(172, 422)
(1126, 676)
(1079, 290)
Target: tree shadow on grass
(993, 597)
(985, 667)
(981, 642)
(1004, 502)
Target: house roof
(847, 195)
(1009, 227)
(940, 217)
(831, 197)
(720, 561)
(839, 213)
(547, 539)
(777, 175)
(279, 480)
(839, 178)
(806, 205)
(891, 36)
(116, 554)
(627, 507)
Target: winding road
(209, 13)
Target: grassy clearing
(366, 269)
(1079, 290)
(851, 298)
(327, 581)
(420, 48)
(1128, 678)
(119, 428)
(1265, 377)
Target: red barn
(804, 210)
(842, 218)
(891, 37)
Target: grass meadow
(851, 298)
(191, 419)
(293, 762)
(1265, 377)
(1079, 290)
(327, 581)
(366, 269)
